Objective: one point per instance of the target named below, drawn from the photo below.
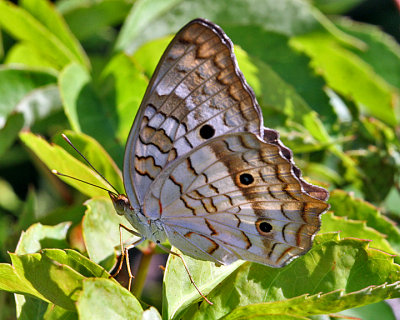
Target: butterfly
(201, 170)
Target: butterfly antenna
(87, 161)
(91, 184)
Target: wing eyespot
(263, 227)
(207, 132)
(246, 179)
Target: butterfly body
(201, 170)
(147, 228)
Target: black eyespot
(263, 227)
(207, 132)
(246, 179)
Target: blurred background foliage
(326, 74)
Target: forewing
(236, 197)
(196, 93)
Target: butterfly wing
(272, 136)
(235, 197)
(196, 93)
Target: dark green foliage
(330, 86)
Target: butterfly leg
(187, 270)
(125, 253)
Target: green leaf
(138, 19)
(56, 313)
(151, 314)
(86, 111)
(300, 90)
(319, 304)
(28, 212)
(95, 153)
(53, 275)
(335, 6)
(75, 89)
(45, 13)
(5, 234)
(39, 276)
(338, 274)
(56, 158)
(344, 204)
(377, 188)
(149, 19)
(1, 46)
(374, 131)
(27, 54)
(32, 308)
(149, 54)
(349, 75)
(123, 86)
(39, 104)
(96, 16)
(267, 83)
(9, 133)
(12, 282)
(17, 84)
(77, 262)
(8, 198)
(101, 231)
(179, 292)
(392, 201)
(38, 237)
(372, 311)
(104, 299)
(43, 28)
(29, 307)
(355, 229)
(382, 53)
(73, 214)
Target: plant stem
(144, 264)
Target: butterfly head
(121, 203)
